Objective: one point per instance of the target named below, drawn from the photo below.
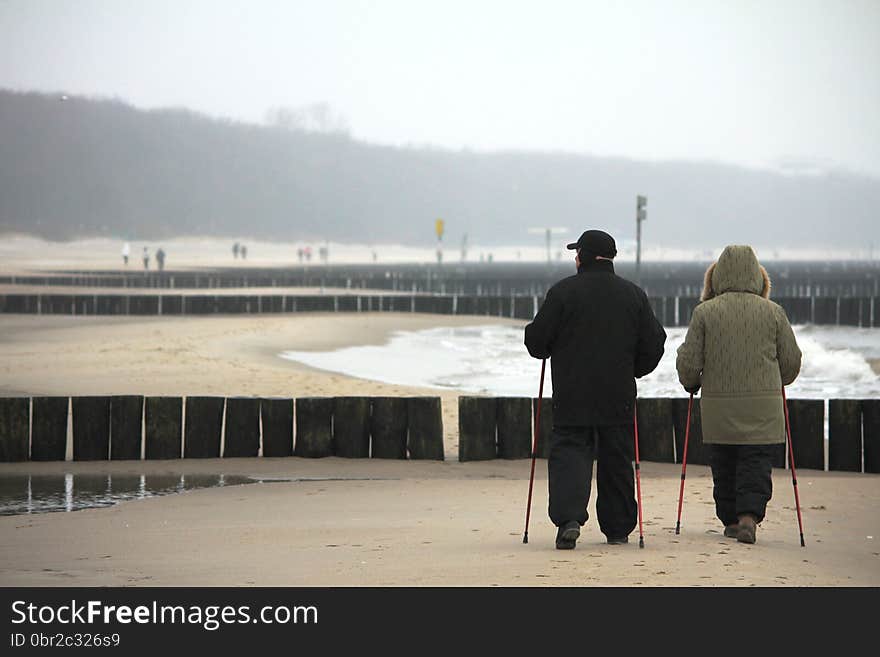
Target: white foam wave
(493, 360)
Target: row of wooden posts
(798, 279)
(670, 310)
(135, 427)
(500, 428)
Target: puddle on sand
(23, 494)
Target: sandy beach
(357, 522)
(388, 523)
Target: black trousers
(570, 470)
(741, 474)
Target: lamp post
(641, 214)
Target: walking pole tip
(526, 537)
(641, 541)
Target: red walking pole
(797, 500)
(535, 449)
(684, 460)
(638, 476)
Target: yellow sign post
(438, 226)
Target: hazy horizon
(793, 87)
(804, 169)
(80, 167)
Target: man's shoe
(568, 534)
(747, 529)
(618, 540)
(731, 531)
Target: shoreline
(60, 355)
(216, 355)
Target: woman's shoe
(731, 531)
(748, 527)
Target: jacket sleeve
(788, 354)
(690, 360)
(652, 337)
(542, 332)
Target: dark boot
(731, 531)
(567, 535)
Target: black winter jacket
(599, 331)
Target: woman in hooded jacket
(740, 349)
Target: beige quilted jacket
(740, 350)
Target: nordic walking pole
(535, 448)
(797, 501)
(684, 460)
(638, 476)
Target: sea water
(492, 360)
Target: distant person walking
(146, 258)
(243, 250)
(126, 251)
(740, 350)
(160, 258)
(235, 248)
(601, 334)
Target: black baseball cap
(596, 243)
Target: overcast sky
(759, 83)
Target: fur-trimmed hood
(737, 270)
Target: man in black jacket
(600, 332)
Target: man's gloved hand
(692, 389)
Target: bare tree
(317, 117)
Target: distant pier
(830, 293)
